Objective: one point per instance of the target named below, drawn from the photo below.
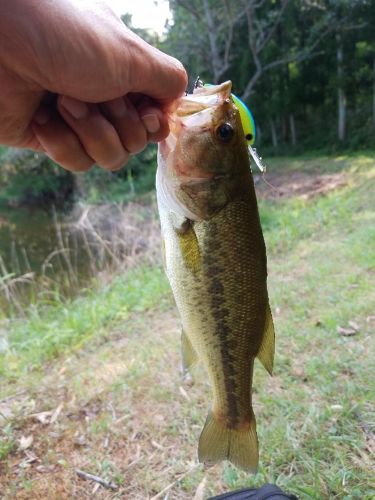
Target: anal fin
(267, 349)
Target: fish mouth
(194, 110)
(197, 109)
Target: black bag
(266, 492)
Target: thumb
(157, 74)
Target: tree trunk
(273, 134)
(341, 98)
(293, 134)
(214, 50)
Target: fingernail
(77, 109)
(151, 122)
(42, 116)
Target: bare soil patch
(297, 184)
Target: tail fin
(218, 443)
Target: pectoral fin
(189, 356)
(189, 247)
(267, 349)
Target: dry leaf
(184, 393)
(80, 440)
(346, 332)
(28, 460)
(25, 442)
(43, 417)
(56, 413)
(95, 488)
(199, 494)
(354, 325)
(336, 407)
(43, 469)
(157, 445)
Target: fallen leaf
(28, 460)
(336, 407)
(45, 468)
(157, 445)
(80, 440)
(43, 417)
(200, 492)
(346, 332)
(354, 325)
(95, 488)
(298, 372)
(25, 442)
(56, 413)
(62, 371)
(184, 393)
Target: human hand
(79, 85)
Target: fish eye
(225, 132)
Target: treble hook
(196, 85)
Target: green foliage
(135, 179)
(294, 75)
(7, 441)
(32, 178)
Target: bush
(30, 178)
(136, 178)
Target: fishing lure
(247, 121)
(248, 125)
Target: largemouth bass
(215, 260)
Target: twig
(167, 488)
(97, 479)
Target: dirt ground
(297, 184)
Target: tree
(295, 62)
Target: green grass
(49, 331)
(118, 350)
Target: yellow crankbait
(248, 124)
(247, 120)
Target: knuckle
(137, 148)
(115, 164)
(135, 144)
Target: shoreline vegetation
(92, 382)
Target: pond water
(36, 251)
(44, 251)
(27, 237)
